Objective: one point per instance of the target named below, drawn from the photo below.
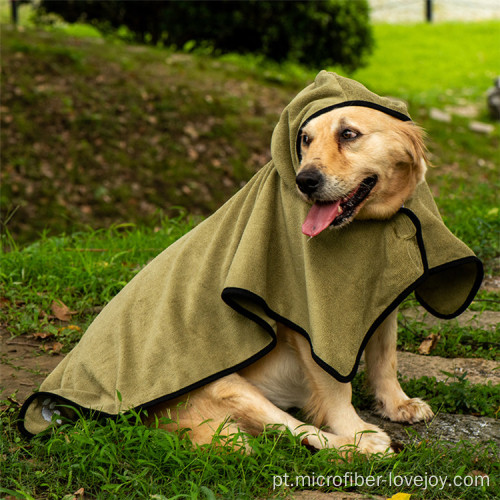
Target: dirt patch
(491, 283)
(479, 371)
(141, 138)
(23, 366)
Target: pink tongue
(319, 218)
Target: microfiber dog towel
(209, 304)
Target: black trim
(472, 293)
(162, 399)
(420, 239)
(365, 104)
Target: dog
(356, 163)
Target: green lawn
(435, 64)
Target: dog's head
(357, 162)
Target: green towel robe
(208, 305)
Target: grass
(434, 64)
(458, 396)
(456, 341)
(83, 270)
(101, 134)
(124, 460)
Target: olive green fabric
(208, 305)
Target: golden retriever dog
(360, 163)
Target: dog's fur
(345, 146)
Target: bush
(317, 34)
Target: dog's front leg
(329, 404)
(245, 404)
(381, 369)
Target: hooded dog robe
(209, 304)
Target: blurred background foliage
(332, 32)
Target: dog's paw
(373, 440)
(406, 410)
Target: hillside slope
(96, 133)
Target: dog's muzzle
(310, 181)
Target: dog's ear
(416, 148)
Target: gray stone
(493, 99)
(481, 128)
(439, 115)
(445, 427)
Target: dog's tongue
(320, 217)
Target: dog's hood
(209, 304)
(328, 91)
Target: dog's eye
(348, 134)
(306, 140)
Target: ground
(24, 365)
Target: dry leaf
(478, 473)
(61, 311)
(42, 335)
(54, 348)
(429, 343)
(400, 496)
(79, 493)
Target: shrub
(317, 34)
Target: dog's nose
(309, 181)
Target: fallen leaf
(42, 335)
(478, 473)
(79, 492)
(429, 343)
(54, 348)
(400, 496)
(61, 311)
(18, 404)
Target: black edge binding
(475, 287)
(167, 397)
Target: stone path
(485, 319)
(443, 427)
(479, 371)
